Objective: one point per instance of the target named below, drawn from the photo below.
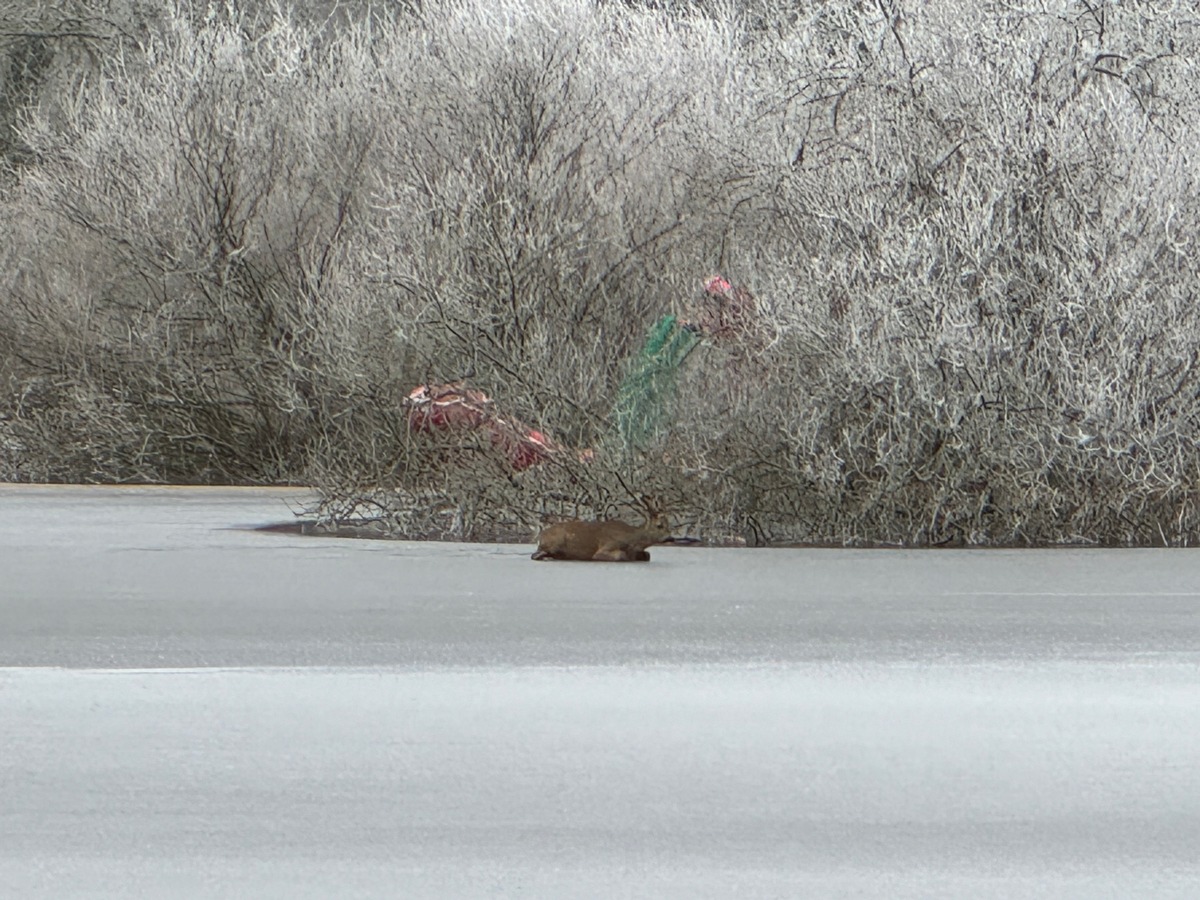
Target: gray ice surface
(189, 708)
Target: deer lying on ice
(609, 541)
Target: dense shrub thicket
(235, 240)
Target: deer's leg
(609, 554)
(620, 554)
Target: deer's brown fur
(609, 541)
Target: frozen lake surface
(191, 708)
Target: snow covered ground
(192, 708)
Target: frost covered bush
(969, 228)
(173, 258)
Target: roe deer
(610, 541)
